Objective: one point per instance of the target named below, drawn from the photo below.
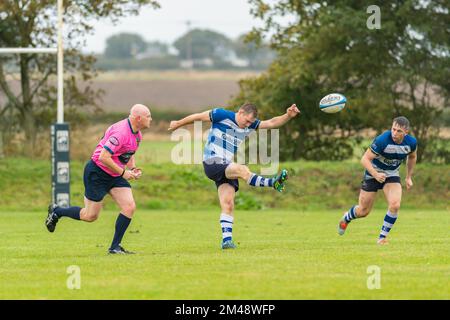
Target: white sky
(229, 17)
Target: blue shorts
(215, 170)
(372, 185)
(97, 182)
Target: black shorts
(97, 182)
(215, 170)
(372, 185)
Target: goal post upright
(60, 53)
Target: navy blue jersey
(225, 135)
(390, 155)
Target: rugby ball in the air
(332, 103)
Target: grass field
(288, 244)
(281, 255)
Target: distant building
(235, 61)
(229, 55)
(188, 64)
(153, 50)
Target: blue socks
(71, 212)
(226, 222)
(259, 181)
(350, 215)
(388, 223)
(122, 224)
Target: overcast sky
(229, 17)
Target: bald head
(139, 110)
(140, 117)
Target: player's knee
(129, 208)
(227, 204)
(90, 217)
(394, 206)
(244, 172)
(363, 212)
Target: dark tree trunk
(27, 117)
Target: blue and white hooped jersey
(390, 155)
(225, 136)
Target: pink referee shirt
(121, 142)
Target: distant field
(174, 75)
(174, 90)
(282, 254)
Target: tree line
(197, 48)
(400, 68)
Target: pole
(60, 132)
(60, 110)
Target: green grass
(282, 254)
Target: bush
(437, 151)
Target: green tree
(401, 68)
(124, 46)
(199, 44)
(31, 23)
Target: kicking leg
(393, 194)
(226, 194)
(365, 204)
(235, 171)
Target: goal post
(59, 130)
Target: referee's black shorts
(97, 182)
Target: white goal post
(28, 50)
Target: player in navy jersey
(382, 161)
(228, 130)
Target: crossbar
(28, 50)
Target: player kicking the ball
(111, 166)
(227, 131)
(382, 161)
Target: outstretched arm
(277, 122)
(202, 116)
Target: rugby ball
(332, 103)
